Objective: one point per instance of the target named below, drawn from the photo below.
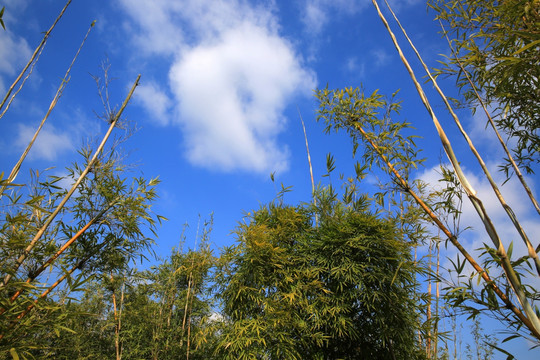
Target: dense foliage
(344, 288)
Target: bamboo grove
(344, 275)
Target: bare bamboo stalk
(437, 296)
(310, 167)
(492, 123)
(453, 239)
(50, 219)
(531, 251)
(31, 62)
(471, 193)
(428, 347)
(57, 96)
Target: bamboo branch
(492, 123)
(57, 254)
(74, 187)
(31, 62)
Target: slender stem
(531, 251)
(453, 239)
(310, 167)
(56, 255)
(31, 62)
(57, 96)
(74, 187)
(476, 202)
(492, 123)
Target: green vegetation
(338, 277)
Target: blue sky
(222, 85)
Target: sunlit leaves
(342, 289)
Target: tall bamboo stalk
(91, 163)
(42, 268)
(310, 167)
(31, 63)
(492, 123)
(531, 250)
(57, 96)
(476, 202)
(451, 237)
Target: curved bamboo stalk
(74, 187)
(530, 248)
(471, 193)
(310, 167)
(31, 62)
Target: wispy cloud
(155, 100)
(316, 14)
(230, 79)
(15, 52)
(50, 143)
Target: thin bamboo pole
(31, 62)
(476, 202)
(56, 255)
(50, 219)
(530, 248)
(492, 123)
(57, 96)
(453, 239)
(310, 167)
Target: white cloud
(380, 56)
(155, 101)
(315, 12)
(232, 75)
(49, 144)
(15, 53)
(232, 94)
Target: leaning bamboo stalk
(492, 123)
(30, 62)
(453, 239)
(57, 254)
(42, 296)
(310, 167)
(57, 96)
(531, 251)
(50, 219)
(471, 193)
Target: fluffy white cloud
(232, 94)
(231, 77)
(49, 144)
